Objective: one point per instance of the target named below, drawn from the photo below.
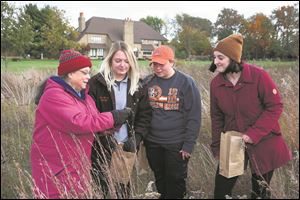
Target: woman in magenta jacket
(244, 98)
(65, 123)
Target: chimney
(128, 32)
(81, 22)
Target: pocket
(70, 183)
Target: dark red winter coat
(253, 107)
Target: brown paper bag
(121, 165)
(232, 154)
(142, 165)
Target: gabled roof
(114, 28)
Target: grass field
(24, 65)
(20, 80)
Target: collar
(125, 80)
(246, 76)
(68, 88)
(118, 83)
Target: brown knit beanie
(231, 46)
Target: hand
(247, 139)
(120, 116)
(129, 145)
(185, 155)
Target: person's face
(162, 71)
(221, 61)
(80, 78)
(120, 64)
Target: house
(99, 33)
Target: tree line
(32, 31)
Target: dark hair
(232, 67)
(40, 91)
(212, 67)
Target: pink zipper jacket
(61, 147)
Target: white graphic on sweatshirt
(170, 102)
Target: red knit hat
(70, 61)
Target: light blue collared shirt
(120, 89)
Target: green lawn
(21, 66)
(24, 65)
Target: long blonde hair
(133, 73)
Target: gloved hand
(129, 145)
(120, 116)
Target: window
(156, 43)
(96, 53)
(93, 52)
(100, 52)
(95, 39)
(147, 53)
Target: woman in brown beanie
(66, 119)
(244, 98)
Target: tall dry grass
(17, 118)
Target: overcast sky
(162, 9)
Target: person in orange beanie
(176, 117)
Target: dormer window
(95, 39)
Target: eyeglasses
(85, 72)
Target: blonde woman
(117, 86)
